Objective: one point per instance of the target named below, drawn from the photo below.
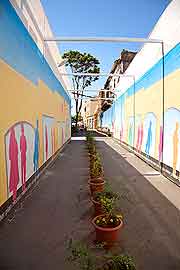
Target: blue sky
(125, 18)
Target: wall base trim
(155, 164)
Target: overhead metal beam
(88, 90)
(101, 39)
(96, 74)
(94, 98)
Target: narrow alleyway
(35, 235)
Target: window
(103, 94)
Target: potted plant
(109, 224)
(91, 149)
(92, 154)
(91, 145)
(98, 199)
(85, 259)
(96, 181)
(90, 141)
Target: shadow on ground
(35, 236)
(151, 223)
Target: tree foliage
(81, 63)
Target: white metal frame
(125, 40)
(96, 74)
(102, 39)
(96, 98)
(92, 90)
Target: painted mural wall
(34, 107)
(141, 118)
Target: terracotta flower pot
(98, 209)
(106, 235)
(96, 185)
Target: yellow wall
(21, 100)
(150, 100)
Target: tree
(81, 63)
(73, 118)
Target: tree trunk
(77, 115)
(77, 111)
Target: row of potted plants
(96, 181)
(106, 221)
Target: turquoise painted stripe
(154, 74)
(19, 50)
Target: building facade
(119, 67)
(88, 113)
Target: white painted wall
(167, 29)
(33, 16)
